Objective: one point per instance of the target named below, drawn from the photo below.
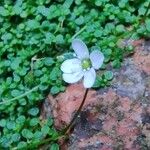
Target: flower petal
(80, 48)
(72, 77)
(71, 66)
(89, 78)
(97, 59)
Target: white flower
(83, 65)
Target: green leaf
(44, 78)
(11, 125)
(22, 71)
(55, 90)
(97, 83)
(38, 135)
(54, 147)
(107, 52)
(24, 14)
(68, 3)
(49, 121)
(3, 11)
(147, 22)
(21, 145)
(98, 2)
(112, 44)
(2, 123)
(62, 88)
(116, 63)
(111, 17)
(43, 10)
(33, 111)
(27, 134)
(33, 24)
(6, 37)
(130, 48)
(142, 10)
(21, 26)
(49, 38)
(15, 93)
(59, 39)
(48, 61)
(22, 101)
(55, 73)
(38, 73)
(120, 28)
(45, 129)
(6, 141)
(98, 33)
(15, 63)
(80, 20)
(16, 78)
(122, 3)
(43, 87)
(108, 75)
(16, 137)
(21, 119)
(17, 9)
(34, 121)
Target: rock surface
(114, 118)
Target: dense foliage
(35, 38)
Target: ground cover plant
(35, 38)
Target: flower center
(86, 64)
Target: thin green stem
(35, 144)
(20, 96)
(80, 31)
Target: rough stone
(115, 118)
(129, 81)
(142, 60)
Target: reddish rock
(115, 132)
(95, 140)
(127, 42)
(137, 42)
(65, 104)
(125, 105)
(128, 81)
(126, 127)
(146, 132)
(113, 118)
(109, 123)
(142, 60)
(107, 120)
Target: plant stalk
(68, 128)
(80, 31)
(20, 96)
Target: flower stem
(80, 31)
(68, 128)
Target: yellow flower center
(86, 64)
